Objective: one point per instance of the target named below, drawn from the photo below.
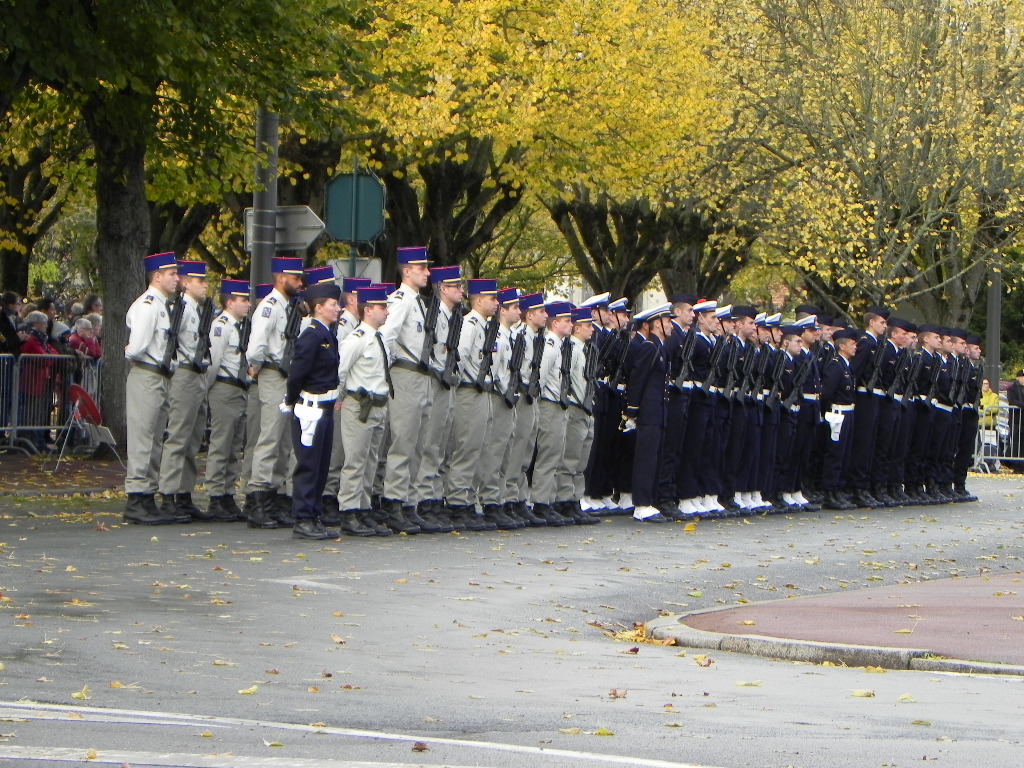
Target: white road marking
(32, 710)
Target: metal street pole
(993, 329)
(264, 225)
(353, 253)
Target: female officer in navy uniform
(310, 396)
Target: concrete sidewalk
(970, 625)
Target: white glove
(835, 423)
(283, 407)
(627, 425)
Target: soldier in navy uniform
(646, 409)
(837, 396)
(678, 401)
(693, 475)
(892, 361)
(869, 398)
(310, 396)
(915, 467)
(781, 397)
(971, 380)
(940, 450)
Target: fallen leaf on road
(116, 684)
(920, 722)
(272, 743)
(222, 663)
(82, 694)
(91, 755)
(673, 725)
(570, 731)
(603, 732)
(206, 735)
(634, 649)
(420, 746)
(906, 698)
(249, 691)
(875, 670)
(903, 632)
(749, 683)
(863, 693)
(690, 527)
(748, 623)
(313, 689)
(695, 593)
(703, 660)
(615, 693)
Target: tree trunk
(14, 270)
(122, 233)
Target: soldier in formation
(516, 411)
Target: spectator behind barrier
(10, 342)
(35, 397)
(93, 305)
(989, 402)
(55, 329)
(83, 341)
(97, 327)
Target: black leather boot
(374, 520)
(350, 524)
(282, 510)
(524, 512)
(137, 511)
(395, 520)
(185, 505)
(217, 512)
(313, 529)
(330, 513)
(261, 514)
(425, 524)
(169, 509)
(231, 505)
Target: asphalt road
(194, 646)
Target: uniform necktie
(387, 364)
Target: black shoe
(512, 513)
(881, 495)
(313, 529)
(732, 509)
(249, 505)
(396, 520)
(962, 494)
(260, 516)
(837, 501)
(228, 500)
(137, 511)
(374, 520)
(574, 512)
(185, 505)
(218, 511)
(350, 524)
(426, 525)
(529, 516)
(548, 514)
(282, 510)
(330, 513)
(658, 518)
(493, 513)
(169, 510)
(465, 514)
(864, 500)
(442, 516)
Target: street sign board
(354, 207)
(297, 227)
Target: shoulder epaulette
(472, 319)
(549, 341)
(272, 299)
(148, 300)
(358, 332)
(222, 319)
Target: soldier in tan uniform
(146, 391)
(228, 395)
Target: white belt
(941, 407)
(715, 390)
(812, 396)
(312, 399)
(760, 397)
(795, 408)
(687, 385)
(842, 408)
(877, 391)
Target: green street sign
(354, 207)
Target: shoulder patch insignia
(272, 299)
(472, 320)
(217, 331)
(267, 312)
(358, 332)
(549, 341)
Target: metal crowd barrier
(1000, 439)
(35, 408)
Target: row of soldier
(519, 412)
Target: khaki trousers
(146, 396)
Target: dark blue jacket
(314, 367)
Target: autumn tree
(902, 124)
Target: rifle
(515, 364)
(730, 367)
(902, 366)
(959, 389)
(780, 368)
(490, 337)
(716, 354)
(589, 376)
(915, 371)
(618, 374)
(533, 388)
(171, 348)
(244, 332)
(450, 372)
(758, 375)
(606, 349)
(199, 360)
(291, 333)
(798, 381)
(749, 377)
(430, 329)
(686, 357)
(565, 370)
(876, 361)
(936, 372)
